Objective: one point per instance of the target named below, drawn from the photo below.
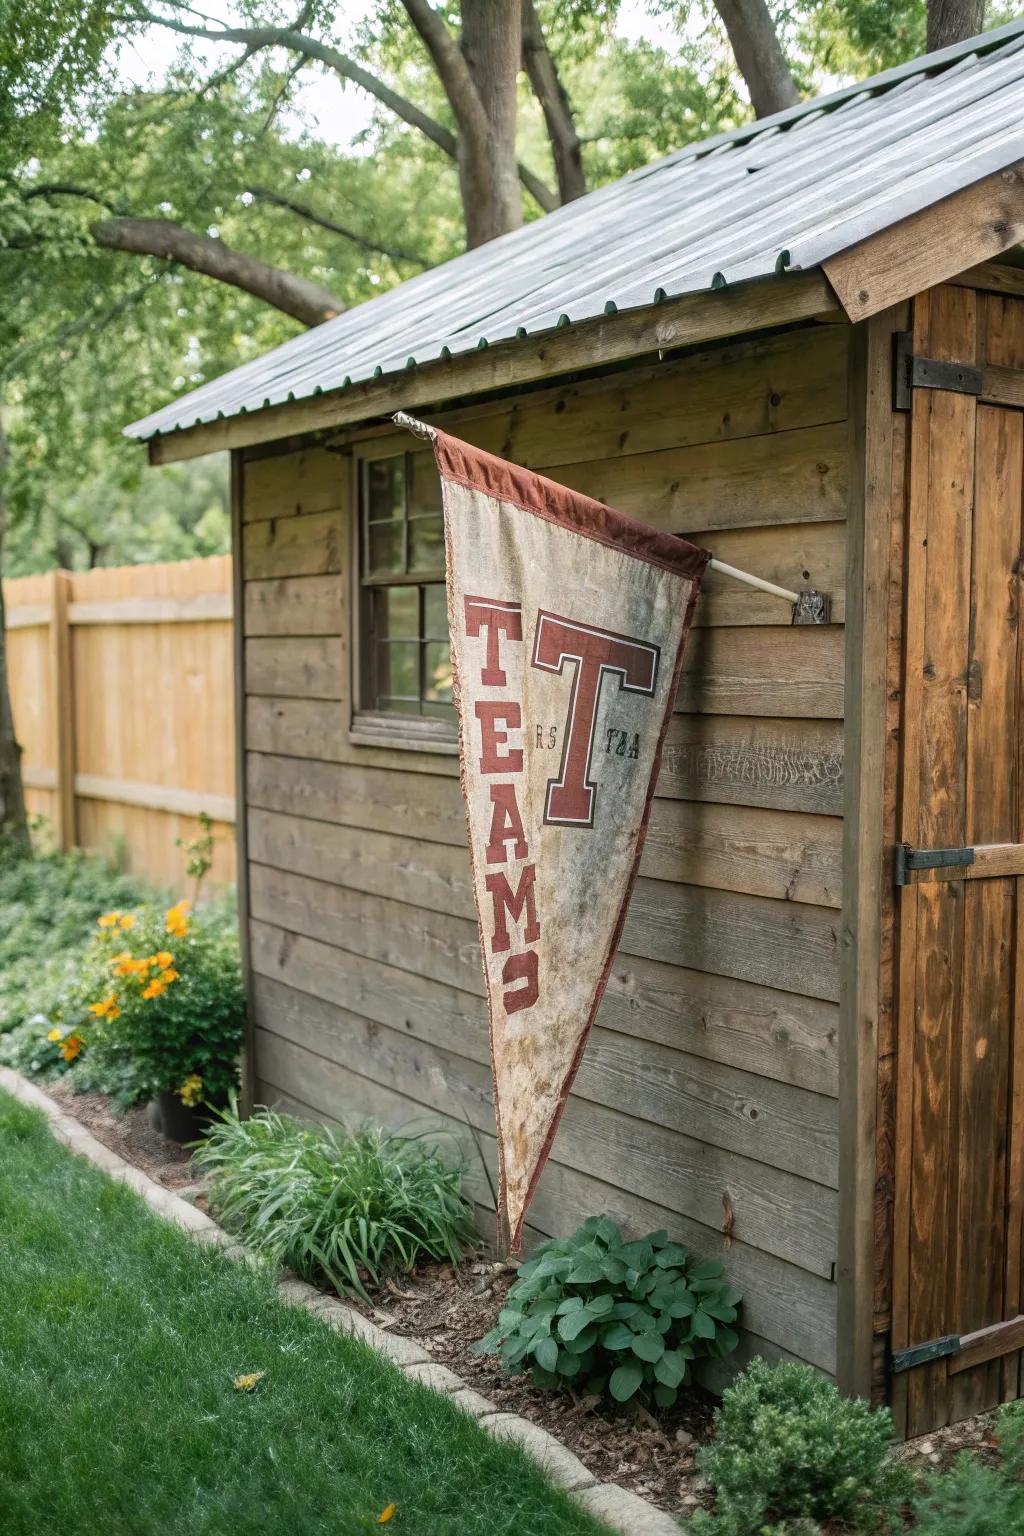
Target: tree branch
(262, 195)
(452, 69)
(759, 56)
(296, 296)
(254, 39)
(543, 76)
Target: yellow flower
(108, 919)
(54, 1034)
(70, 1047)
(248, 1382)
(127, 921)
(169, 975)
(191, 1090)
(386, 1514)
(107, 1009)
(155, 989)
(163, 958)
(177, 919)
(123, 964)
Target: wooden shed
(802, 345)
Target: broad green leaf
(664, 1396)
(600, 1306)
(618, 1336)
(625, 1380)
(648, 1346)
(670, 1369)
(546, 1354)
(672, 1256)
(572, 1323)
(570, 1304)
(585, 1273)
(702, 1325)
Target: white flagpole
(421, 429)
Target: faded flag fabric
(568, 622)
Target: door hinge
(908, 859)
(912, 372)
(920, 1354)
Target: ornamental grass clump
(346, 1207)
(788, 1447)
(609, 1317)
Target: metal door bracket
(920, 1354)
(908, 859)
(912, 372)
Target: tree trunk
(759, 55)
(13, 821)
(491, 44)
(951, 21)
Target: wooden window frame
(372, 727)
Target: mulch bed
(448, 1311)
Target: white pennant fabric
(568, 622)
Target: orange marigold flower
(177, 919)
(108, 919)
(386, 1514)
(107, 1009)
(123, 964)
(163, 958)
(170, 975)
(155, 989)
(70, 1047)
(127, 921)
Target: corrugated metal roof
(784, 193)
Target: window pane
(437, 672)
(386, 551)
(396, 613)
(440, 712)
(385, 488)
(426, 544)
(424, 485)
(398, 672)
(435, 612)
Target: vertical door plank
(943, 430)
(979, 1233)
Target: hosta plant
(607, 1316)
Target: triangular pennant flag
(568, 622)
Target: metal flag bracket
(809, 606)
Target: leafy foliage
(607, 1316)
(50, 905)
(346, 1207)
(975, 1499)
(788, 1446)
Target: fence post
(63, 711)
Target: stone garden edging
(620, 1509)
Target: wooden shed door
(960, 1115)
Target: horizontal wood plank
(310, 667)
(155, 797)
(292, 484)
(202, 608)
(784, 477)
(292, 546)
(793, 673)
(297, 605)
(761, 853)
(788, 764)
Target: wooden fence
(123, 697)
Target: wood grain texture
(789, 673)
(292, 546)
(293, 484)
(298, 605)
(969, 227)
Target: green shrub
(613, 1317)
(973, 1499)
(789, 1447)
(161, 1005)
(48, 910)
(346, 1207)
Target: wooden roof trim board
(758, 305)
(970, 227)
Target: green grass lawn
(119, 1343)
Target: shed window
(406, 666)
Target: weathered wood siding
(707, 1098)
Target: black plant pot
(175, 1120)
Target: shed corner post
(248, 1093)
(865, 866)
